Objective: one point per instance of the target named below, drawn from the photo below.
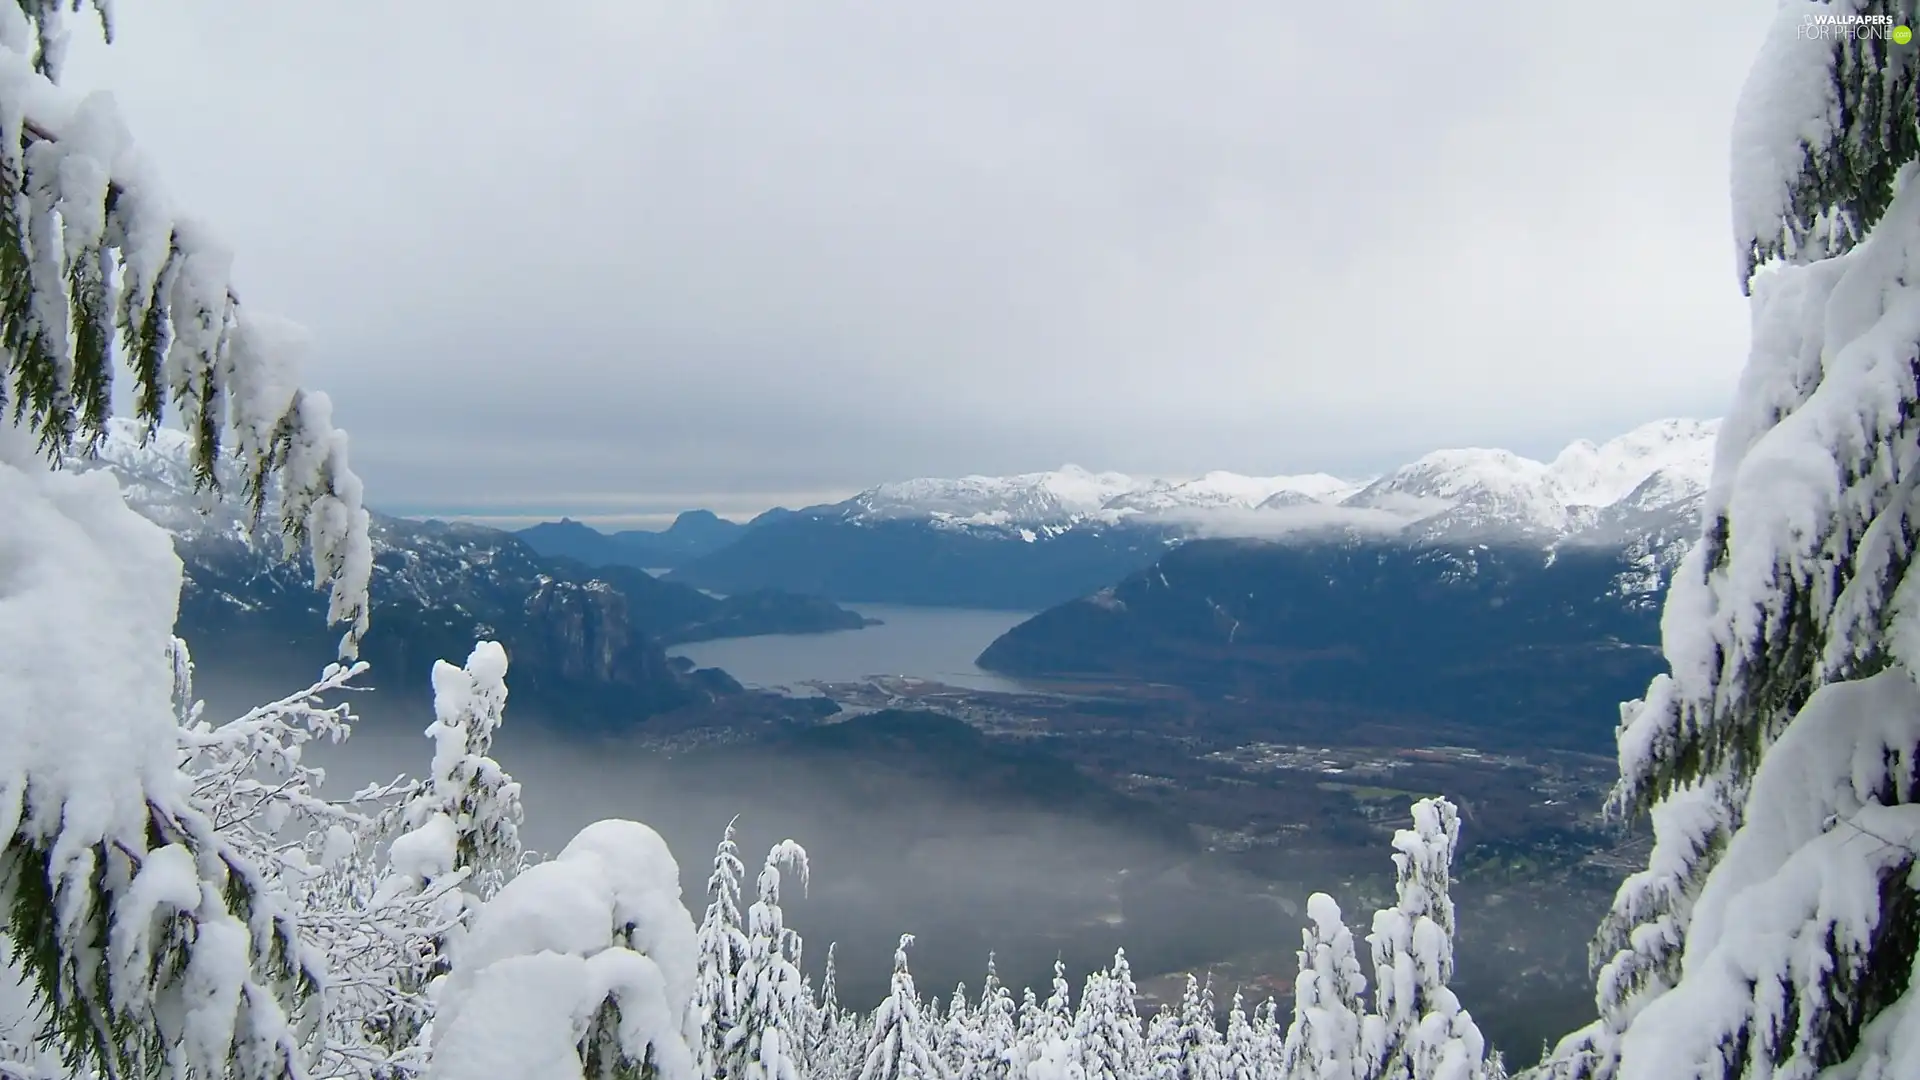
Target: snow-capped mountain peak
(1230, 490)
(1059, 495)
(1478, 490)
(1661, 465)
(1070, 494)
(1601, 475)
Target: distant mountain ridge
(1036, 539)
(1460, 636)
(1490, 593)
(587, 644)
(692, 534)
(1518, 491)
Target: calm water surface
(927, 643)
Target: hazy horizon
(728, 505)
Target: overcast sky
(644, 255)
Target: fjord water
(937, 644)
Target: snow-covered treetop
(601, 923)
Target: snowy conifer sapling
(768, 1037)
(722, 945)
(900, 1047)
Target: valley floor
(1279, 804)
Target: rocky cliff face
(578, 657)
(583, 633)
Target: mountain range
(1503, 594)
(1454, 637)
(587, 644)
(1029, 541)
(692, 534)
(1470, 586)
(1468, 590)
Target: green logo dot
(1902, 35)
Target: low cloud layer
(1273, 523)
(642, 255)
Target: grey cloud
(645, 251)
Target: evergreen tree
(465, 817)
(1421, 1027)
(765, 1040)
(1056, 1058)
(957, 1036)
(899, 1046)
(1112, 1046)
(1775, 929)
(1197, 1032)
(1033, 1029)
(458, 842)
(147, 941)
(935, 1011)
(1163, 1057)
(1270, 1036)
(1241, 1059)
(1058, 1009)
(809, 1022)
(825, 1016)
(838, 1046)
(850, 1054)
(582, 965)
(1325, 1040)
(1092, 1024)
(723, 954)
(995, 1031)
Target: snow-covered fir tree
(1031, 1030)
(155, 945)
(935, 1010)
(1772, 933)
(1057, 1011)
(453, 839)
(723, 947)
(1240, 1057)
(994, 1035)
(1107, 1026)
(464, 816)
(1056, 1058)
(1201, 1055)
(955, 1043)
(767, 1038)
(1422, 1030)
(829, 1042)
(1163, 1052)
(1326, 1039)
(1270, 1034)
(899, 1045)
(584, 964)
